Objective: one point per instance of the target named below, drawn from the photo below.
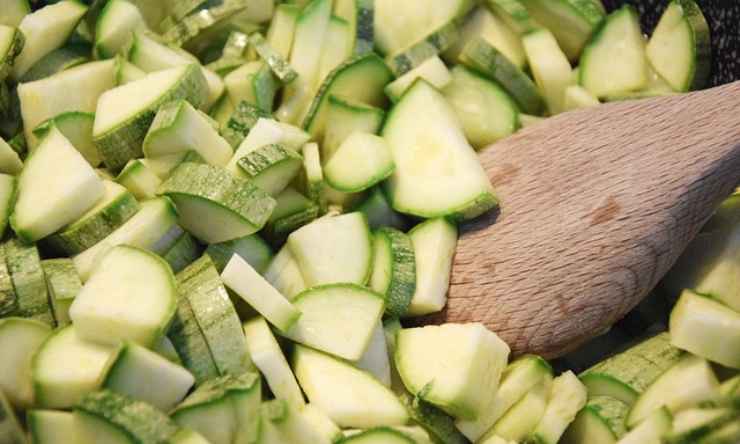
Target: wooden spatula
(596, 205)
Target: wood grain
(596, 205)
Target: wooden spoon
(596, 205)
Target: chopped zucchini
(20, 339)
(63, 285)
(361, 161)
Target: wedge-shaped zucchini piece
(424, 126)
(567, 397)
(339, 33)
(115, 207)
(10, 161)
(399, 25)
(183, 251)
(145, 376)
(601, 420)
(139, 179)
(306, 425)
(692, 424)
(27, 276)
(266, 132)
(423, 355)
(284, 274)
(305, 57)
(514, 14)
(571, 21)
(8, 186)
(114, 25)
(360, 79)
(360, 162)
(344, 117)
(483, 57)
(19, 338)
(45, 30)
(124, 113)
(550, 67)
(51, 426)
(63, 285)
(433, 70)
(11, 44)
(61, 59)
(270, 360)
(708, 264)
(706, 328)
(106, 416)
(224, 410)
(434, 247)
(614, 61)
(59, 381)
(178, 127)
(277, 63)
(486, 110)
(112, 307)
(282, 28)
(251, 248)
(367, 404)
(484, 24)
(359, 15)
(254, 83)
(47, 202)
(517, 380)
(76, 89)
(10, 428)
(241, 278)
(216, 316)
(354, 312)
(577, 97)
(127, 72)
(214, 205)
(519, 421)
(271, 167)
(77, 127)
(626, 375)
(239, 121)
(394, 270)
(333, 249)
(689, 382)
(293, 211)
(146, 229)
(651, 430)
(679, 48)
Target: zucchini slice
(113, 28)
(63, 285)
(75, 89)
(344, 117)
(241, 278)
(361, 161)
(216, 316)
(270, 360)
(433, 70)
(10, 428)
(394, 270)
(339, 33)
(439, 425)
(567, 397)
(116, 207)
(59, 381)
(360, 79)
(20, 339)
(143, 375)
(215, 206)
(61, 59)
(139, 179)
(282, 28)
(11, 45)
(601, 420)
(689, 382)
(271, 167)
(614, 61)
(27, 276)
(251, 248)
(333, 250)
(14, 11)
(360, 15)
(486, 111)
(652, 430)
(375, 360)
(125, 113)
(279, 66)
(337, 319)
(450, 180)
(145, 229)
(253, 83)
(179, 127)
(112, 307)
(368, 404)
(679, 49)
(47, 202)
(434, 44)
(45, 30)
(706, 328)
(550, 67)
(284, 274)
(77, 127)
(422, 357)
(521, 419)
(571, 21)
